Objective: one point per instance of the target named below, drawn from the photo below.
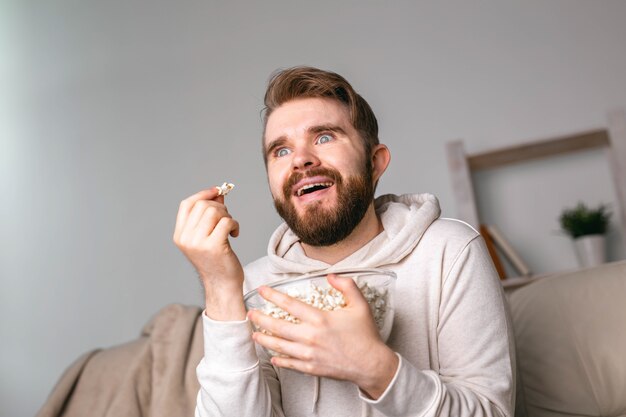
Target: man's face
(319, 175)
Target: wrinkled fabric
(153, 376)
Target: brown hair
(309, 82)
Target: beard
(319, 226)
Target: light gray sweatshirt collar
(405, 218)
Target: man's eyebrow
(327, 128)
(276, 143)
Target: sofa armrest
(570, 332)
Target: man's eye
(282, 152)
(324, 139)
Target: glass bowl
(376, 285)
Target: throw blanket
(153, 376)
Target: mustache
(313, 172)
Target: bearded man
(450, 352)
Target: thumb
(347, 287)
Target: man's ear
(380, 160)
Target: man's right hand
(202, 229)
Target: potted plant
(588, 229)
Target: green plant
(581, 220)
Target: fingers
(300, 365)
(277, 327)
(282, 347)
(225, 226)
(209, 194)
(199, 227)
(201, 221)
(293, 306)
(203, 210)
(192, 210)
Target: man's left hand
(341, 344)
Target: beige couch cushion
(571, 341)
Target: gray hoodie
(451, 329)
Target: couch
(570, 332)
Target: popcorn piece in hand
(225, 188)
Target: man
(450, 352)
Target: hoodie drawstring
(316, 397)
(316, 392)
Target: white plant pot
(590, 250)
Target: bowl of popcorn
(376, 285)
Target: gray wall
(112, 112)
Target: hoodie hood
(405, 218)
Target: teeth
(306, 187)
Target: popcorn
(377, 287)
(224, 188)
(330, 299)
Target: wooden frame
(613, 139)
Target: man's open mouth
(311, 188)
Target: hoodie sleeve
(232, 381)
(476, 349)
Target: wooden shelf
(539, 149)
(612, 139)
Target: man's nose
(304, 158)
